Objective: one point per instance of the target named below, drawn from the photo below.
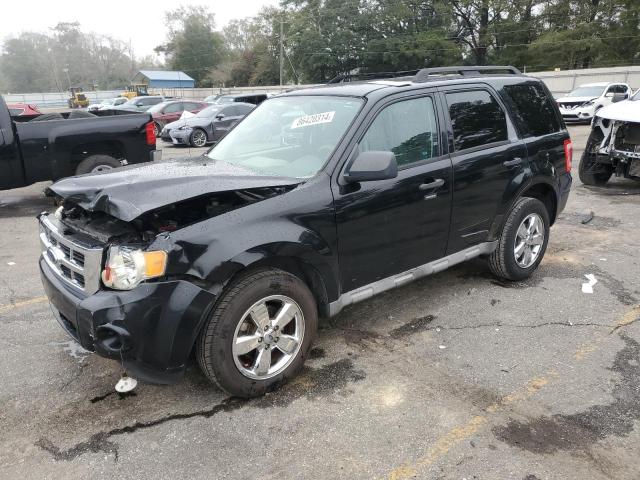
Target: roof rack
(427, 74)
(359, 77)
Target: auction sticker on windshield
(315, 119)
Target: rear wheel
(523, 241)
(97, 163)
(198, 138)
(590, 171)
(259, 333)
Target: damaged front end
(613, 146)
(118, 296)
(616, 146)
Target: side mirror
(372, 166)
(618, 97)
(220, 116)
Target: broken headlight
(126, 267)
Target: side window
(174, 107)
(229, 111)
(533, 109)
(477, 119)
(408, 129)
(191, 106)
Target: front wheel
(590, 171)
(258, 334)
(523, 241)
(198, 138)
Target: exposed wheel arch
(545, 193)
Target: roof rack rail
(359, 77)
(427, 74)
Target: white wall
(558, 82)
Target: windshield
(208, 112)
(587, 92)
(288, 136)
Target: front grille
(76, 261)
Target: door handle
(511, 163)
(437, 183)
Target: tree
(193, 45)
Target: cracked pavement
(455, 376)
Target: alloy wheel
(529, 240)
(268, 337)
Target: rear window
(534, 111)
(476, 118)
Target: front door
(390, 226)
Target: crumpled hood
(128, 192)
(625, 111)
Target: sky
(142, 22)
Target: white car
(107, 104)
(582, 103)
(613, 146)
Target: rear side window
(477, 119)
(174, 108)
(534, 111)
(407, 128)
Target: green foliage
(325, 38)
(193, 45)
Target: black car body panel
(346, 241)
(48, 150)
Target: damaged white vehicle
(613, 147)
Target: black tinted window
(407, 128)
(477, 119)
(533, 109)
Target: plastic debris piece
(589, 218)
(126, 384)
(11, 264)
(587, 287)
(442, 347)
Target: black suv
(318, 199)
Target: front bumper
(151, 328)
(577, 114)
(180, 137)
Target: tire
(97, 163)
(198, 138)
(505, 262)
(156, 129)
(586, 171)
(217, 340)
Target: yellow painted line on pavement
(460, 433)
(23, 303)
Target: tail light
(568, 154)
(151, 135)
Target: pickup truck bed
(49, 150)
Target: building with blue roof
(164, 79)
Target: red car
(170, 111)
(23, 111)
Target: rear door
(539, 124)
(387, 227)
(489, 161)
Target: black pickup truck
(35, 151)
(318, 199)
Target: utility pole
(281, 49)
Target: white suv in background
(581, 104)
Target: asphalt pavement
(456, 376)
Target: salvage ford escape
(318, 199)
